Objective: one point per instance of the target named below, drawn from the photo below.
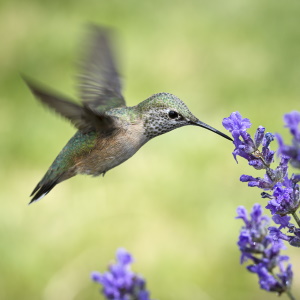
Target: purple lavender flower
(292, 121)
(245, 146)
(267, 154)
(283, 221)
(236, 123)
(268, 282)
(120, 283)
(277, 235)
(263, 183)
(284, 200)
(255, 244)
(293, 240)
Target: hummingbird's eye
(173, 114)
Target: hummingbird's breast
(113, 150)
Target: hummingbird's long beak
(201, 124)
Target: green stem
(290, 295)
(294, 214)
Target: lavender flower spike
(258, 246)
(120, 283)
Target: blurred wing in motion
(99, 81)
(83, 117)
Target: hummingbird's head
(164, 112)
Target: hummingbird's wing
(83, 117)
(99, 83)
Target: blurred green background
(173, 204)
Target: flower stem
(290, 295)
(294, 214)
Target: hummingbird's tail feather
(42, 189)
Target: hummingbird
(108, 131)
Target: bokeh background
(173, 204)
